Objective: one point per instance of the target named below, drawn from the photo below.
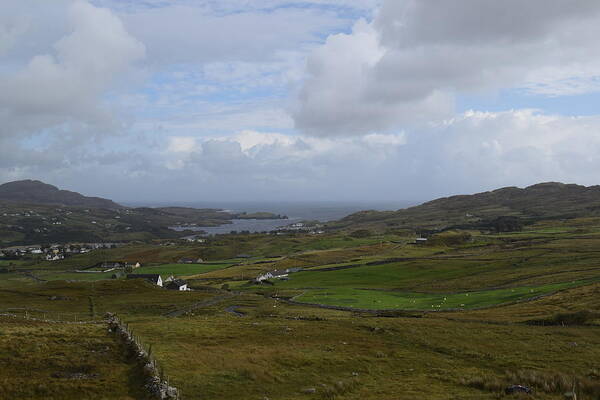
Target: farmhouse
(152, 278)
(177, 284)
(420, 241)
(277, 274)
(109, 264)
(263, 277)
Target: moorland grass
(181, 270)
(278, 351)
(63, 362)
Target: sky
(320, 100)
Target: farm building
(152, 278)
(277, 274)
(177, 284)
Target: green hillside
(542, 201)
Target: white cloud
(66, 86)
(468, 153)
(405, 67)
(181, 144)
(212, 121)
(471, 152)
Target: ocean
(296, 211)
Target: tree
(507, 224)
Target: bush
(450, 238)
(506, 224)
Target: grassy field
(74, 276)
(281, 351)
(182, 270)
(62, 362)
(124, 297)
(389, 300)
(489, 270)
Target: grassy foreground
(62, 362)
(280, 351)
(529, 314)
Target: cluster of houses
(301, 227)
(29, 213)
(194, 239)
(53, 252)
(121, 266)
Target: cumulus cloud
(467, 153)
(377, 100)
(405, 66)
(66, 86)
(52, 99)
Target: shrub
(450, 238)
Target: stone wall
(156, 383)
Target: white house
(152, 278)
(263, 277)
(277, 274)
(177, 284)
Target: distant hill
(36, 192)
(29, 215)
(542, 201)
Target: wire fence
(51, 316)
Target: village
(52, 252)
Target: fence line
(50, 317)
